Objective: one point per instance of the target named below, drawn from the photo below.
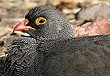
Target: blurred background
(13, 11)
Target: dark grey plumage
(57, 25)
(89, 56)
(24, 58)
(52, 53)
(2, 67)
(24, 55)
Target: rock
(92, 13)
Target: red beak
(22, 26)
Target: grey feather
(23, 54)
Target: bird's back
(89, 56)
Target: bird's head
(45, 21)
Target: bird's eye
(40, 21)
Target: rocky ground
(13, 11)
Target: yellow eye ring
(40, 21)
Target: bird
(42, 23)
(52, 50)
